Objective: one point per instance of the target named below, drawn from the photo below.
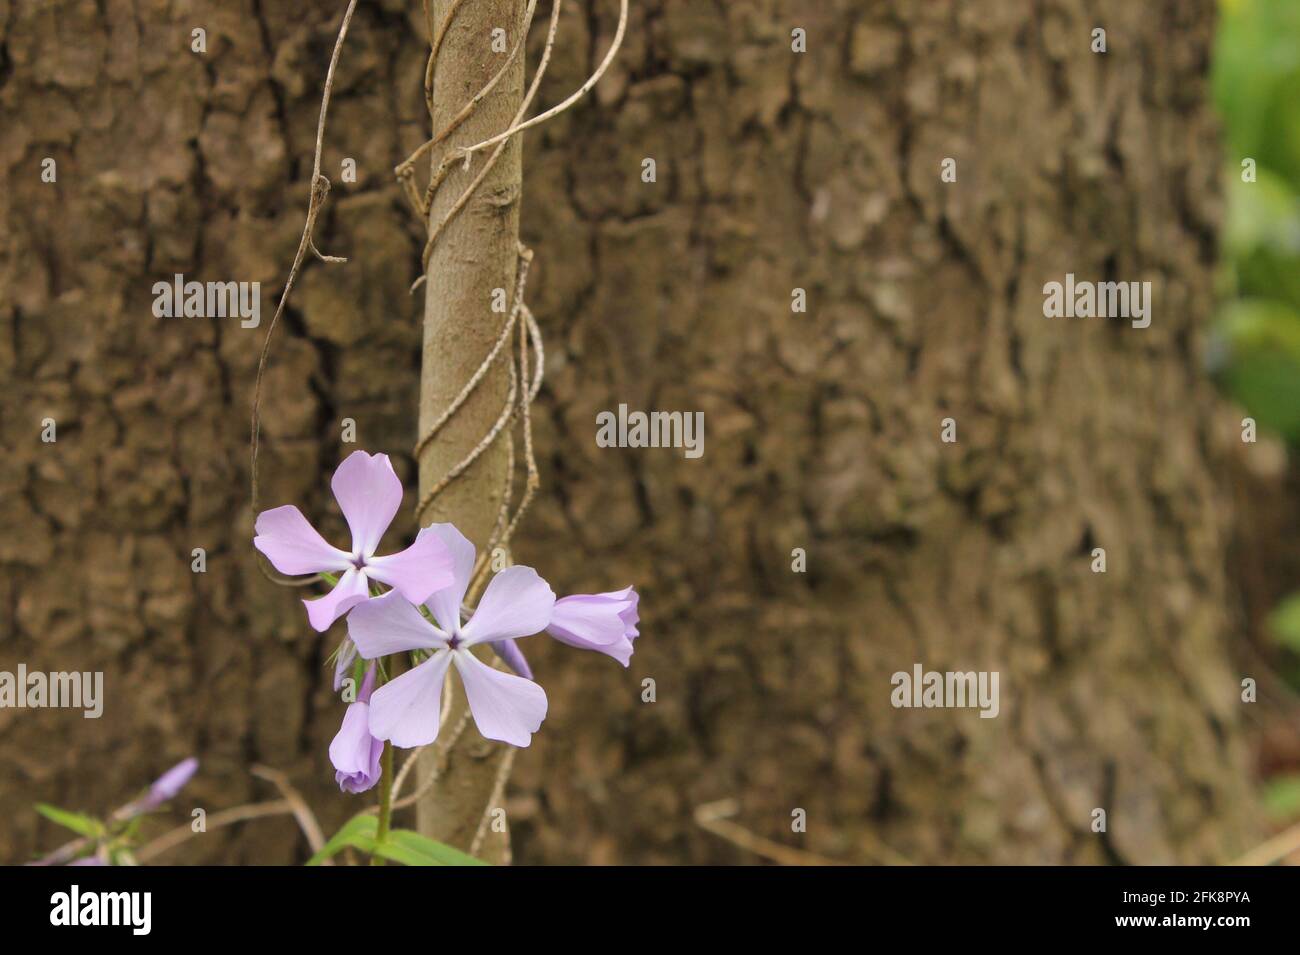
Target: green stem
(385, 797)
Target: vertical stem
(385, 797)
(475, 254)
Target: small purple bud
(367, 685)
(166, 786)
(353, 751)
(508, 650)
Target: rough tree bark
(476, 254)
(776, 170)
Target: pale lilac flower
(166, 787)
(516, 603)
(369, 494)
(354, 752)
(602, 622)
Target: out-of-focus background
(1255, 351)
(777, 171)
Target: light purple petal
(631, 616)
(621, 650)
(407, 710)
(592, 619)
(369, 494)
(390, 624)
(445, 603)
(517, 603)
(505, 707)
(418, 571)
(367, 684)
(293, 546)
(354, 752)
(509, 652)
(169, 784)
(352, 589)
(604, 622)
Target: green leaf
(402, 845)
(1262, 370)
(79, 823)
(1282, 797)
(411, 848)
(1284, 621)
(359, 832)
(1255, 53)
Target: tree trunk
(821, 171)
(476, 254)
(775, 170)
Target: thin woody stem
(228, 817)
(320, 186)
(385, 797)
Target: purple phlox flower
(602, 622)
(166, 787)
(353, 751)
(88, 860)
(369, 494)
(516, 603)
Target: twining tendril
(320, 187)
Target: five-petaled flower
(423, 614)
(369, 494)
(406, 710)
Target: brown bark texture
(775, 170)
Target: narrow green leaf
(359, 831)
(411, 848)
(79, 823)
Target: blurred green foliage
(1257, 90)
(1285, 622)
(1257, 358)
(1282, 797)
